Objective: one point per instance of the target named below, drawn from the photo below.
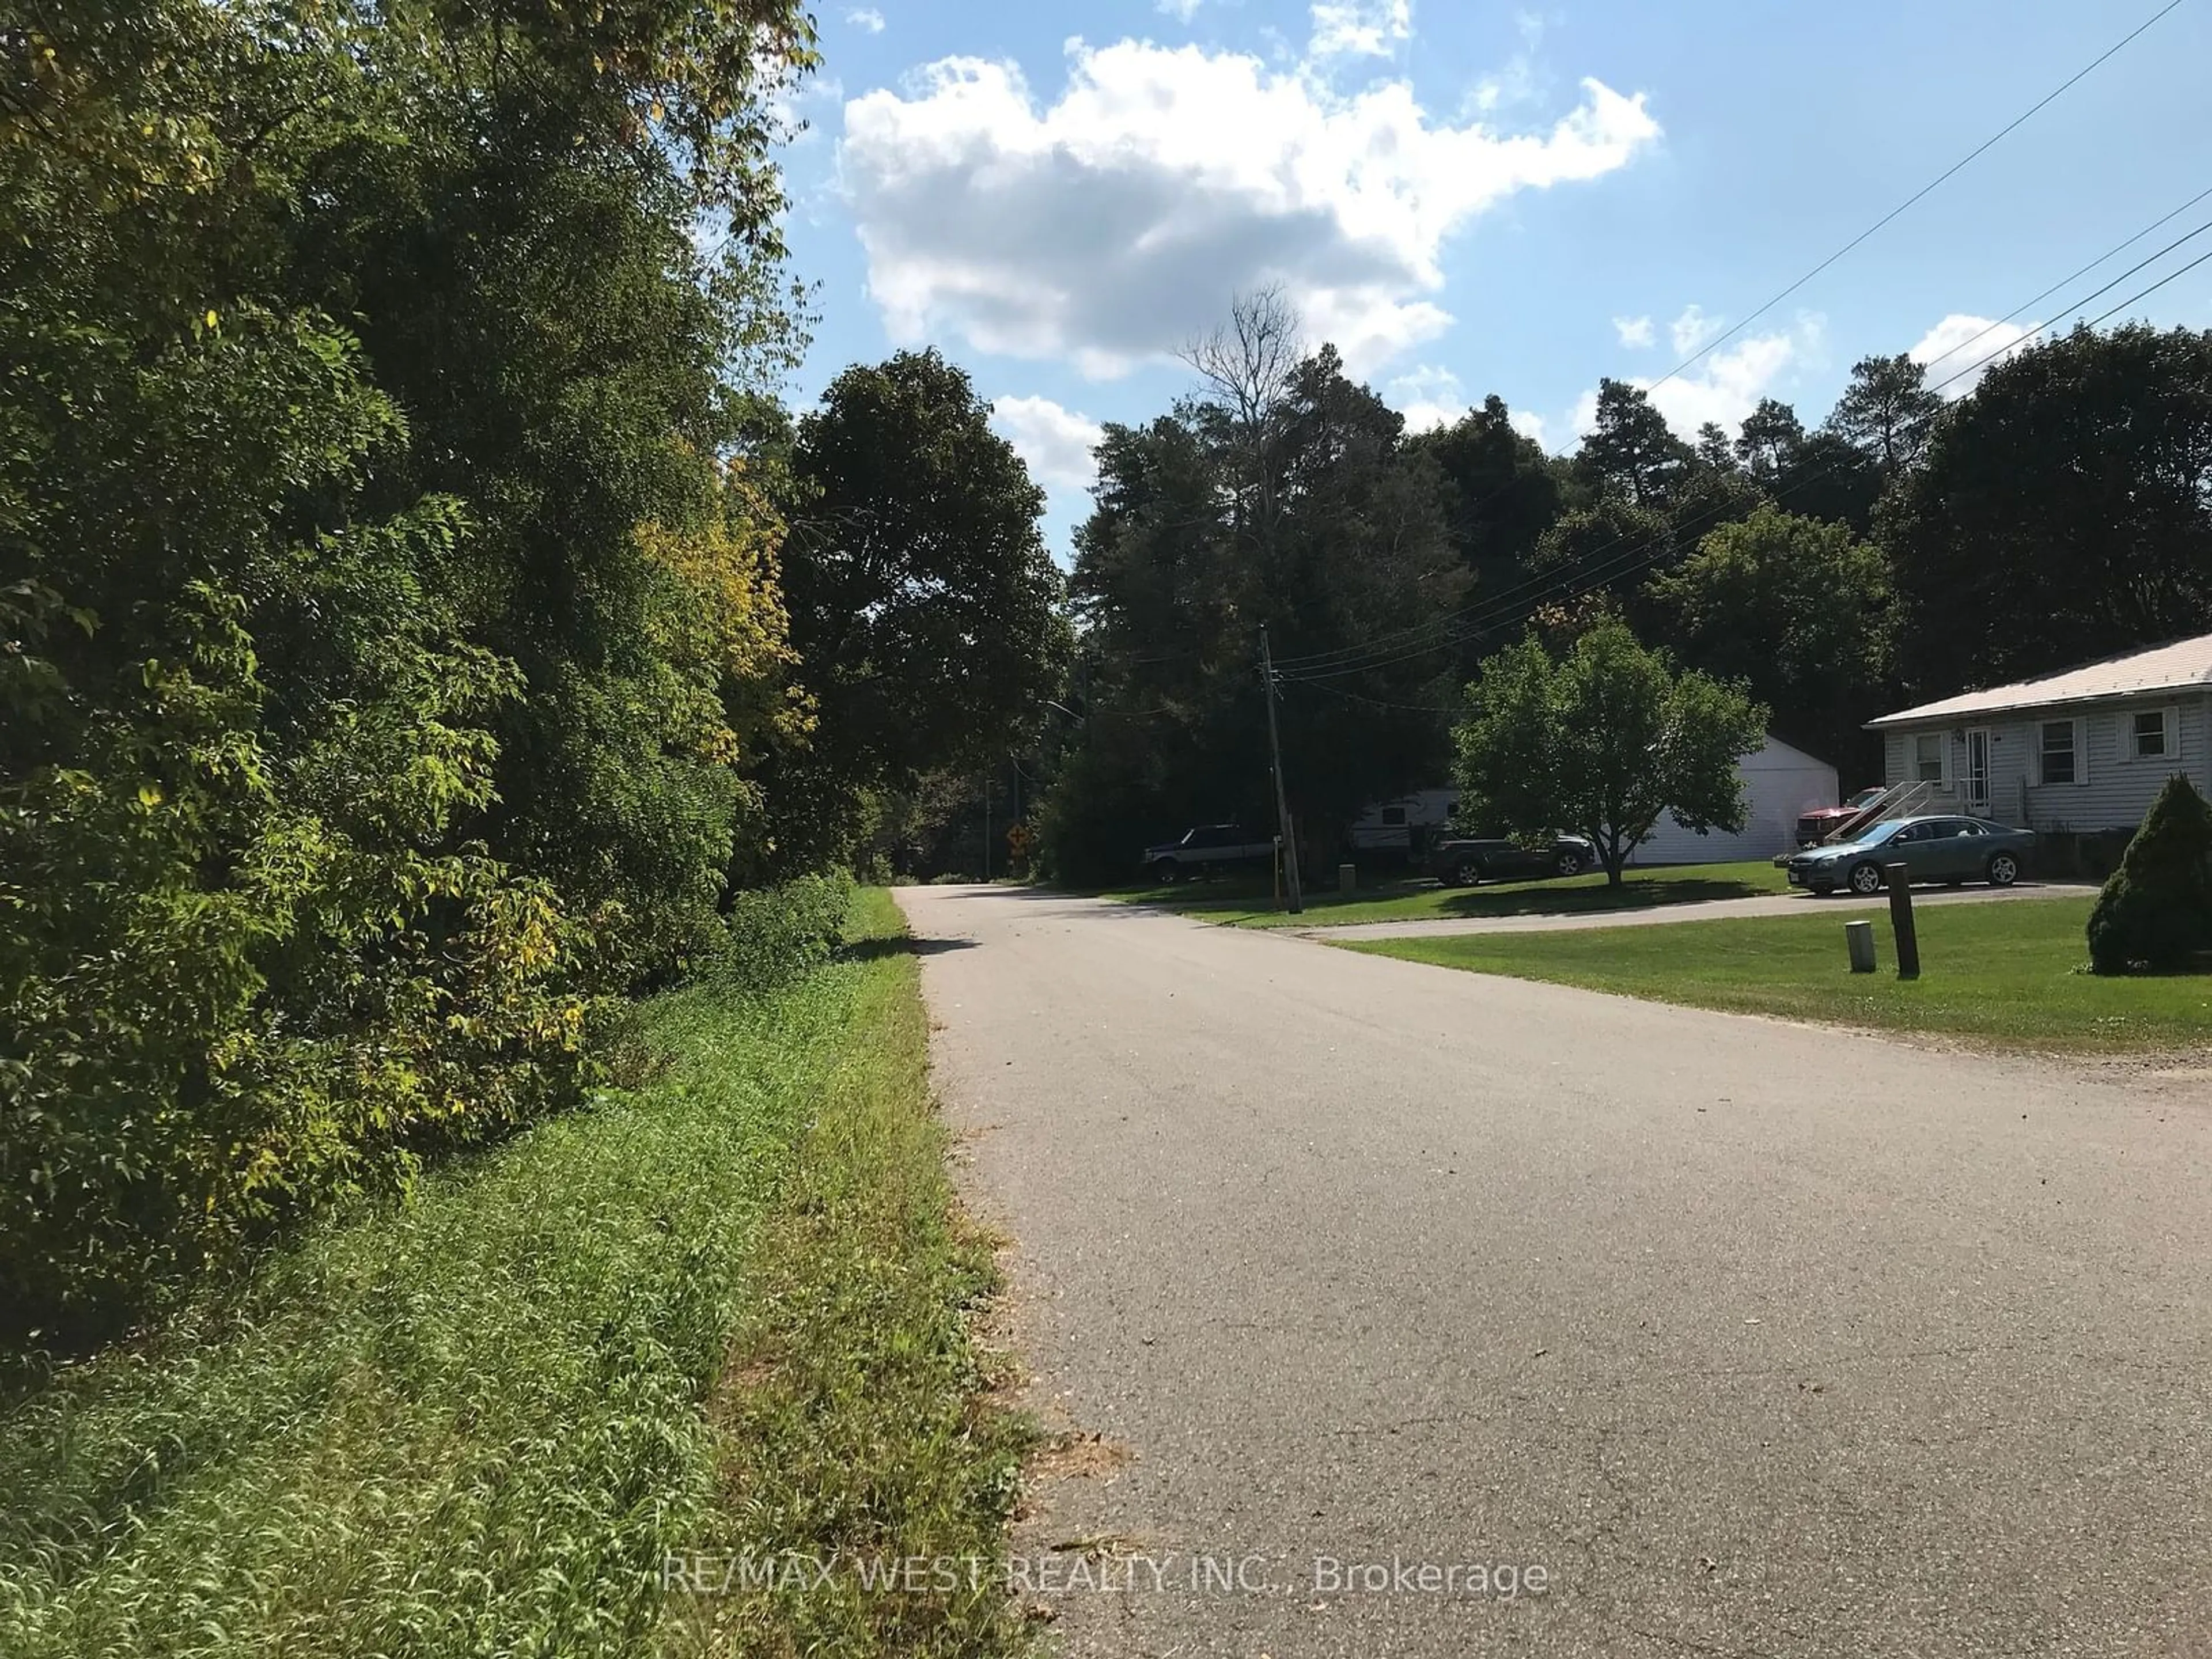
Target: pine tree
(2156, 910)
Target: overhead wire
(1989, 328)
(1980, 150)
(1926, 189)
(1606, 565)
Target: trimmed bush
(2156, 910)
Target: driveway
(1756, 1339)
(1768, 904)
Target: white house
(1779, 782)
(2084, 749)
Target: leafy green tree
(253, 953)
(1815, 474)
(1769, 440)
(1503, 491)
(1341, 543)
(1631, 451)
(1798, 610)
(1603, 741)
(375, 696)
(1715, 450)
(1829, 477)
(1712, 493)
(2062, 511)
(513, 223)
(925, 613)
(1887, 412)
(1610, 550)
(2156, 910)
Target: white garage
(1779, 783)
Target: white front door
(1977, 769)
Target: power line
(2014, 345)
(1345, 654)
(1975, 153)
(1381, 702)
(2084, 270)
(2144, 293)
(1604, 565)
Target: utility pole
(986, 825)
(1282, 796)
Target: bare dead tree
(1245, 368)
(1246, 363)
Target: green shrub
(251, 958)
(2156, 910)
(773, 934)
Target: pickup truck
(1207, 848)
(1458, 861)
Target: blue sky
(1473, 198)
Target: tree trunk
(1612, 853)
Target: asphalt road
(1766, 904)
(1757, 1339)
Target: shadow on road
(875, 949)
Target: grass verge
(2011, 974)
(857, 1418)
(480, 1425)
(1240, 902)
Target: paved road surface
(1766, 904)
(1761, 1339)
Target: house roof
(1782, 754)
(2176, 665)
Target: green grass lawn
(2013, 974)
(729, 1311)
(1243, 903)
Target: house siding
(2117, 790)
(1780, 783)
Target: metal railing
(1900, 800)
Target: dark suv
(1207, 848)
(1460, 861)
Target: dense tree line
(418, 618)
(1905, 549)
(1280, 495)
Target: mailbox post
(1900, 921)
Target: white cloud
(1518, 82)
(1359, 28)
(1635, 332)
(1726, 386)
(1110, 225)
(867, 18)
(1055, 442)
(1182, 10)
(1968, 347)
(1693, 329)
(1427, 397)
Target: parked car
(1954, 850)
(1816, 826)
(1460, 861)
(1207, 848)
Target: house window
(2057, 752)
(2150, 735)
(1926, 757)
